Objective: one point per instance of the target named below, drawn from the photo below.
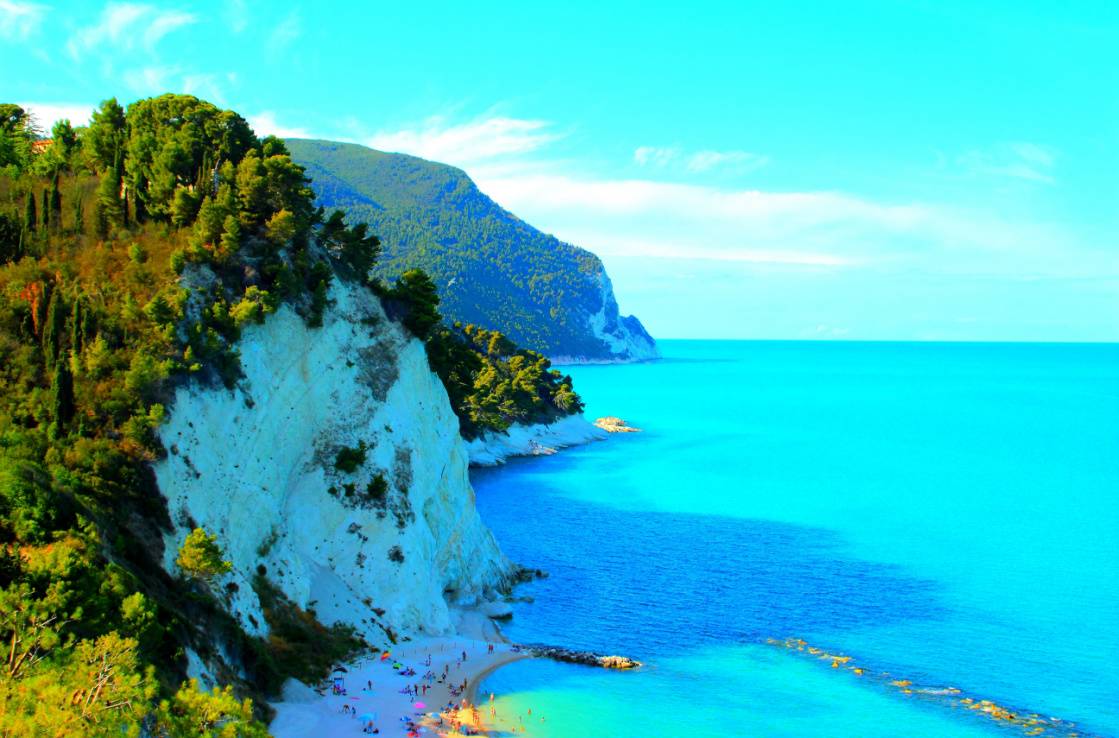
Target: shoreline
(317, 711)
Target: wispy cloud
(151, 79)
(265, 124)
(481, 140)
(1015, 160)
(163, 24)
(285, 32)
(702, 161)
(660, 157)
(237, 15)
(206, 86)
(655, 156)
(121, 25)
(18, 20)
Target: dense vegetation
(491, 382)
(491, 268)
(132, 253)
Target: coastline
(317, 711)
(492, 449)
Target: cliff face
(492, 269)
(257, 466)
(624, 337)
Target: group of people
(457, 714)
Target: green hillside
(132, 255)
(492, 269)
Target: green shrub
(349, 459)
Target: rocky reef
(584, 658)
(1027, 722)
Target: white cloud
(652, 218)
(122, 24)
(265, 124)
(820, 230)
(1017, 160)
(478, 141)
(18, 20)
(47, 114)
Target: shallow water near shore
(946, 513)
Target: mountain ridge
(492, 268)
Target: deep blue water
(947, 513)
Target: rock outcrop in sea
(613, 424)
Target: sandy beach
(373, 687)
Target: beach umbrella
(340, 670)
(419, 705)
(386, 656)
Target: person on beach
(464, 655)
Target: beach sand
(318, 712)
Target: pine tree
(231, 235)
(108, 211)
(30, 215)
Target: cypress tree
(89, 327)
(53, 327)
(76, 327)
(79, 215)
(56, 202)
(30, 215)
(46, 210)
(62, 389)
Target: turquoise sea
(944, 513)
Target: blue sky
(860, 170)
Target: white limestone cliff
(623, 336)
(256, 466)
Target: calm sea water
(948, 513)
